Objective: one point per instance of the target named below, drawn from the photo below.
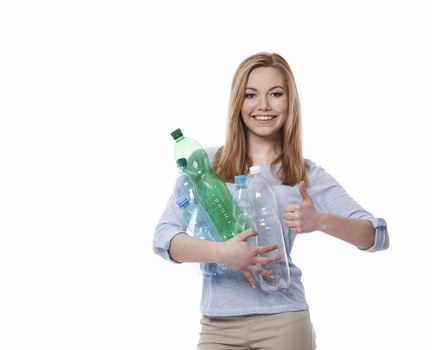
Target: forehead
(265, 77)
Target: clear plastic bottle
(200, 225)
(211, 191)
(244, 211)
(269, 229)
(184, 185)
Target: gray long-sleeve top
(230, 294)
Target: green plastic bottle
(211, 191)
(244, 211)
(246, 216)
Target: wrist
(322, 221)
(218, 252)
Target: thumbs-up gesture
(302, 217)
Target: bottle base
(281, 278)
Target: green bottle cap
(181, 163)
(176, 134)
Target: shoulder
(316, 173)
(312, 167)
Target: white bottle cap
(255, 169)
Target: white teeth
(263, 117)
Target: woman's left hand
(302, 217)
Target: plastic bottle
(211, 191)
(200, 225)
(269, 229)
(184, 185)
(244, 211)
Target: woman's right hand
(242, 256)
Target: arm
(358, 232)
(236, 253)
(305, 217)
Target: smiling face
(265, 107)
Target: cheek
(247, 107)
(244, 117)
(281, 105)
(283, 110)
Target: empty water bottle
(199, 224)
(244, 211)
(211, 191)
(184, 185)
(269, 229)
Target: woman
(264, 128)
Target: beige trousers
(283, 331)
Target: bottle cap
(182, 201)
(240, 179)
(254, 169)
(181, 163)
(176, 134)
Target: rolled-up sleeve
(382, 240)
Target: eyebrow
(272, 88)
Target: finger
(302, 189)
(290, 208)
(293, 225)
(290, 216)
(290, 223)
(264, 272)
(267, 259)
(267, 248)
(259, 270)
(250, 278)
(246, 234)
(295, 229)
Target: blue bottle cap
(240, 179)
(182, 202)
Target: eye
(249, 95)
(276, 94)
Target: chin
(266, 133)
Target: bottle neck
(256, 173)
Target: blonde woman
(264, 128)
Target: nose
(264, 104)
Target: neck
(262, 151)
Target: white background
(89, 93)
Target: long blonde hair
(232, 158)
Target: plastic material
(184, 185)
(199, 224)
(211, 191)
(269, 229)
(244, 211)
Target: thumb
(302, 189)
(242, 236)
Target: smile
(264, 117)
